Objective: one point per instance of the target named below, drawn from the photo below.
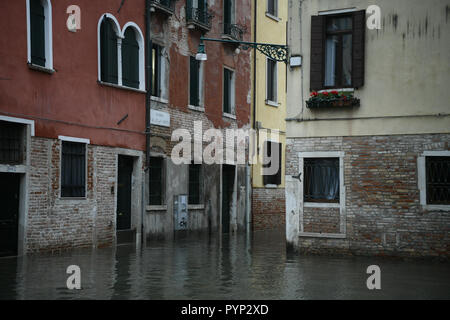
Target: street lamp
(201, 55)
(277, 52)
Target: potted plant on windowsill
(332, 99)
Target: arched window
(130, 59)
(108, 52)
(39, 13)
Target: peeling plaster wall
(407, 71)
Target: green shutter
(226, 91)
(37, 18)
(130, 60)
(108, 47)
(227, 16)
(194, 82)
(156, 63)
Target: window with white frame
(39, 38)
(73, 170)
(272, 7)
(228, 91)
(121, 53)
(434, 178)
(322, 177)
(271, 81)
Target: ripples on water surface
(234, 267)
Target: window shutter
(317, 52)
(37, 22)
(359, 27)
(266, 155)
(108, 55)
(130, 60)
(194, 82)
(280, 157)
(226, 91)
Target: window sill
(322, 235)
(40, 68)
(229, 115)
(74, 199)
(337, 89)
(436, 207)
(113, 85)
(196, 207)
(156, 208)
(272, 103)
(196, 108)
(270, 186)
(158, 99)
(271, 16)
(321, 205)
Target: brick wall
(54, 223)
(321, 220)
(383, 211)
(268, 208)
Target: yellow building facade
(269, 25)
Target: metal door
(9, 213)
(124, 193)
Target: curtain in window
(330, 60)
(347, 59)
(321, 179)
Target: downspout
(255, 14)
(148, 95)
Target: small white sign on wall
(159, 118)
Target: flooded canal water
(232, 267)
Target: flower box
(332, 99)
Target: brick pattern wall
(56, 224)
(268, 208)
(383, 211)
(321, 220)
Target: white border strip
(19, 120)
(72, 139)
(323, 13)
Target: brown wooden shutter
(317, 52)
(359, 28)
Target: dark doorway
(124, 193)
(227, 196)
(9, 213)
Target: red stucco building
(73, 119)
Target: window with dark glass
(228, 16)
(271, 80)
(156, 68)
(194, 82)
(228, 87)
(438, 180)
(11, 143)
(156, 181)
(194, 183)
(269, 154)
(73, 170)
(272, 7)
(130, 59)
(37, 29)
(337, 50)
(108, 52)
(321, 180)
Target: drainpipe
(148, 95)
(254, 102)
